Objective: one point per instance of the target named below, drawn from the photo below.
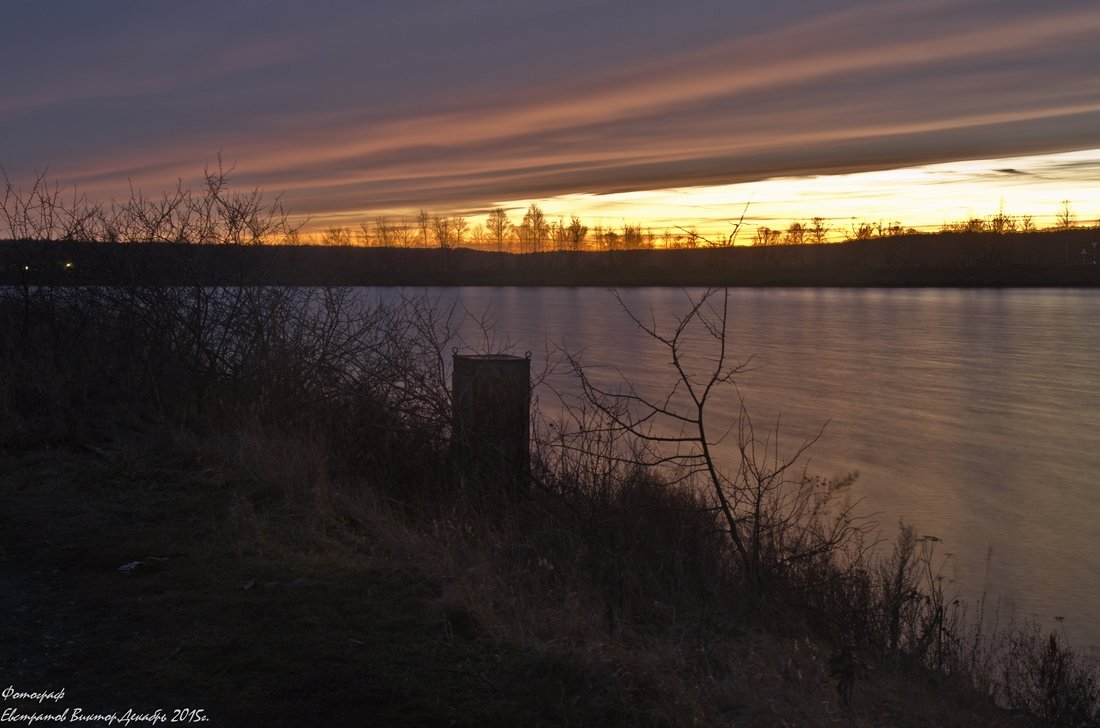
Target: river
(972, 414)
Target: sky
(657, 113)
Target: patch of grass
(290, 637)
(276, 471)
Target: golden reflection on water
(971, 413)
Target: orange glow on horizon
(924, 198)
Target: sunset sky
(658, 113)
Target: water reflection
(972, 414)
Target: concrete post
(492, 403)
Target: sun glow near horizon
(923, 197)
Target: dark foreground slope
(242, 629)
(247, 502)
(253, 615)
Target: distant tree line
(214, 214)
(536, 232)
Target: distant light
(68, 265)
(26, 267)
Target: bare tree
(384, 234)
(633, 237)
(441, 229)
(862, 230)
(212, 214)
(449, 230)
(459, 230)
(404, 234)
(576, 233)
(499, 227)
(533, 230)
(241, 217)
(557, 234)
(796, 234)
(775, 514)
(766, 236)
(819, 232)
(1066, 218)
(890, 229)
(691, 237)
(731, 239)
(337, 235)
(365, 235)
(478, 238)
(424, 224)
(1000, 222)
(32, 214)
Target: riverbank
(245, 501)
(139, 580)
(142, 577)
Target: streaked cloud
(388, 105)
(924, 196)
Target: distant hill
(1046, 258)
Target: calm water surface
(973, 414)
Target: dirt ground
(148, 588)
(126, 585)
